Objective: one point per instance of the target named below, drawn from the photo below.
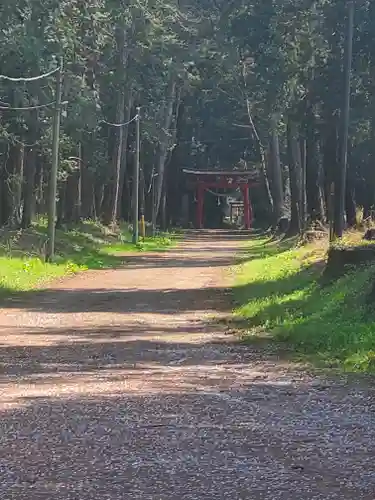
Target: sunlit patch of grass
(89, 245)
(21, 274)
(280, 293)
(351, 238)
(149, 244)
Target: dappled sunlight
(88, 246)
(284, 294)
(136, 380)
(178, 377)
(194, 421)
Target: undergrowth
(90, 245)
(279, 296)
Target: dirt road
(118, 385)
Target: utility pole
(136, 181)
(54, 168)
(340, 189)
(142, 201)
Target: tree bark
(330, 165)
(164, 143)
(302, 148)
(39, 186)
(112, 191)
(295, 178)
(16, 185)
(261, 148)
(163, 210)
(340, 184)
(179, 155)
(5, 207)
(61, 204)
(98, 197)
(73, 197)
(29, 194)
(350, 204)
(73, 200)
(87, 181)
(314, 198)
(118, 157)
(262, 157)
(124, 157)
(277, 178)
(13, 173)
(88, 193)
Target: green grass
(88, 246)
(158, 243)
(278, 296)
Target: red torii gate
(224, 180)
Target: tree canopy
(221, 84)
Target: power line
(29, 108)
(31, 79)
(120, 124)
(24, 144)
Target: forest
(221, 84)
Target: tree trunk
(314, 198)
(142, 192)
(277, 178)
(330, 161)
(16, 185)
(261, 148)
(166, 208)
(262, 157)
(178, 157)
(340, 184)
(5, 206)
(61, 204)
(163, 210)
(29, 194)
(302, 148)
(164, 144)
(295, 178)
(350, 198)
(87, 182)
(13, 181)
(88, 193)
(350, 204)
(98, 197)
(124, 157)
(112, 192)
(118, 161)
(39, 187)
(73, 197)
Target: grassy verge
(88, 246)
(278, 295)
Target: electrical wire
(120, 124)
(31, 79)
(29, 108)
(24, 144)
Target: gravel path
(118, 385)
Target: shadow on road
(156, 402)
(199, 434)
